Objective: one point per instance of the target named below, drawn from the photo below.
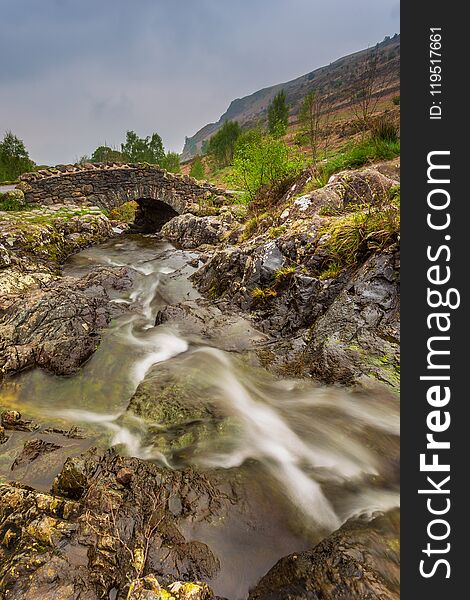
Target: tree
(197, 168)
(366, 90)
(221, 146)
(309, 120)
(261, 160)
(278, 115)
(14, 158)
(171, 162)
(149, 149)
(106, 154)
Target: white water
(326, 447)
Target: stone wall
(109, 185)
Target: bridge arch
(159, 194)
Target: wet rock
(359, 333)
(146, 588)
(32, 450)
(72, 480)
(57, 328)
(3, 436)
(222, 326)
(74, 433)
(177, 406)
(190, 231)
(11, 419)
(124, 476)
(360, 560)
(191, 591)
(366, 186)
(111, 536)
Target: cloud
(82, 72)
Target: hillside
(337, 79)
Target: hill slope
(336, 79)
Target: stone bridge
(160, 195)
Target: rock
(366, 186)
(35, 242)
(359, 332)
(3, 436)
(71, 482)
(124, 476)
(222, 327)
(16, 196)
(360, 561)
(58, 327)
(146, 588)
(191, 591)
(11, 419)
(111, 536)
(188, 231)
(32, 450)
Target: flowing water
(311, 456)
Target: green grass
(355, 235)
(357, 156)
(11, 204)
(263, 294)
(284, 273)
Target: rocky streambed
(159, 436)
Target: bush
(12, 200)
(385, 130)
(197, 169)
(396, 100)
(262, 161)
(124, 213)
(221, 146)
(171, 162)
(360, 154)
(352, 237)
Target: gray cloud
(76, 73)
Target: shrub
(352, 237)
(278, 115)
(385, 130)
(221, 145)
(396, 100)
(124, 213)
(197, 169)
(358, 155)
(12, 200)
(263, 294)
(171, 162)
(262, 161)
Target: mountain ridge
(250, 109)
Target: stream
(312, 456)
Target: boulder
(189, 231)
(360, 561)
(58, 327)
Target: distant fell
(336, 79)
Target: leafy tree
(278, 115)
(262, 160)
(197, 168)
(171, 162)
(221, 146)
(149, 149)
(14, 158)
(107, 154)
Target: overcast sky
(75, 74)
